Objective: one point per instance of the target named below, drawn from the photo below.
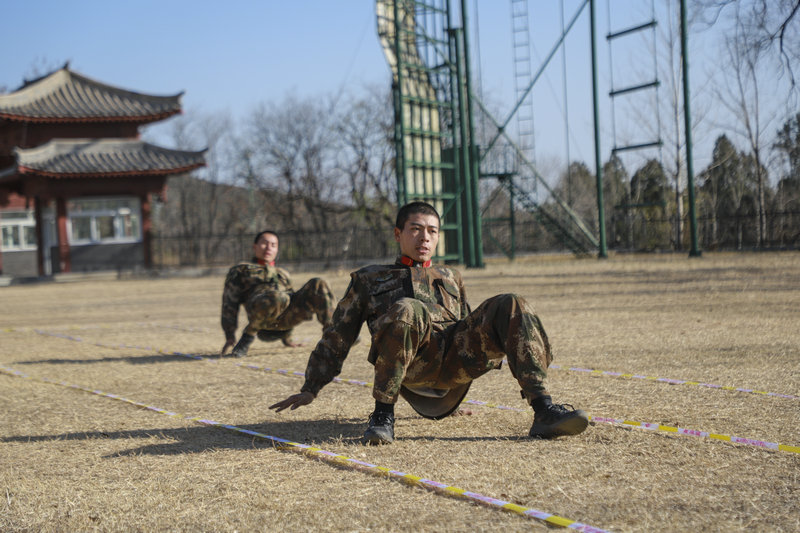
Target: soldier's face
(419, 237)
(266, 248)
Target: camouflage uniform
(424, 335)
(273, 307)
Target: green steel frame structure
(437, 158)
(437, 162)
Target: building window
(104, 220)
(18, 231)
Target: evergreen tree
(731, 196)
(788, 144)
(787, 195)
(616, 200)
(649, 195)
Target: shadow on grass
(200, 438)
(145, 359)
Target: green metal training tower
(437, 161)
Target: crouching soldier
(426, 344)
(273, 307)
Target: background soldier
(273, 307)
(426, 344)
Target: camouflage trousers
(407, 349)
(281, 311)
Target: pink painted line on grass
(338, 459)
(645, 425)
(673, 381)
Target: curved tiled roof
(104, 158)
(65, 96)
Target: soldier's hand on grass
(226, 346)
(294, 401)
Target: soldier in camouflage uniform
(273, 307)
(425, 339)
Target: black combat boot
(380, 430)
(555, 420)
(240, 350)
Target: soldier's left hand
(291, 344)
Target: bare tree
(366, 156)
(291, 151)
(770, 25)
(202, 205)
(741, 96)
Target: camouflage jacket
(371, 292)
(243, 282)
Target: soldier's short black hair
(414, 208)
(267, 231)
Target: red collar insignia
(410, 262)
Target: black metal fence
(740, 232)
(314, 249)
(641, 233)
(330, 249)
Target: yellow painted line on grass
(697, 433)
(591, 371)
(605, 420)
(671, 381)
(339, 460)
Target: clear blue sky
(224, 55)
(231, 56)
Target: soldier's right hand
(294, 401)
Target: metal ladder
(521, 47)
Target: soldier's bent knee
(407, 310)
(514, 300)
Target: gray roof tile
(67, 96)
(108, 157)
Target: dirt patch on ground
(649, 340)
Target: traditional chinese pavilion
(76, 182)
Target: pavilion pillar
(40, 244)
(64, 262)
(3, 201)
(147, 230)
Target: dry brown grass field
(73, 460)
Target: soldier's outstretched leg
(380, 429)
(398, 352)
(323, 301)
(555, 420)
(313, 298)
(240, 350)
(506, 325)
